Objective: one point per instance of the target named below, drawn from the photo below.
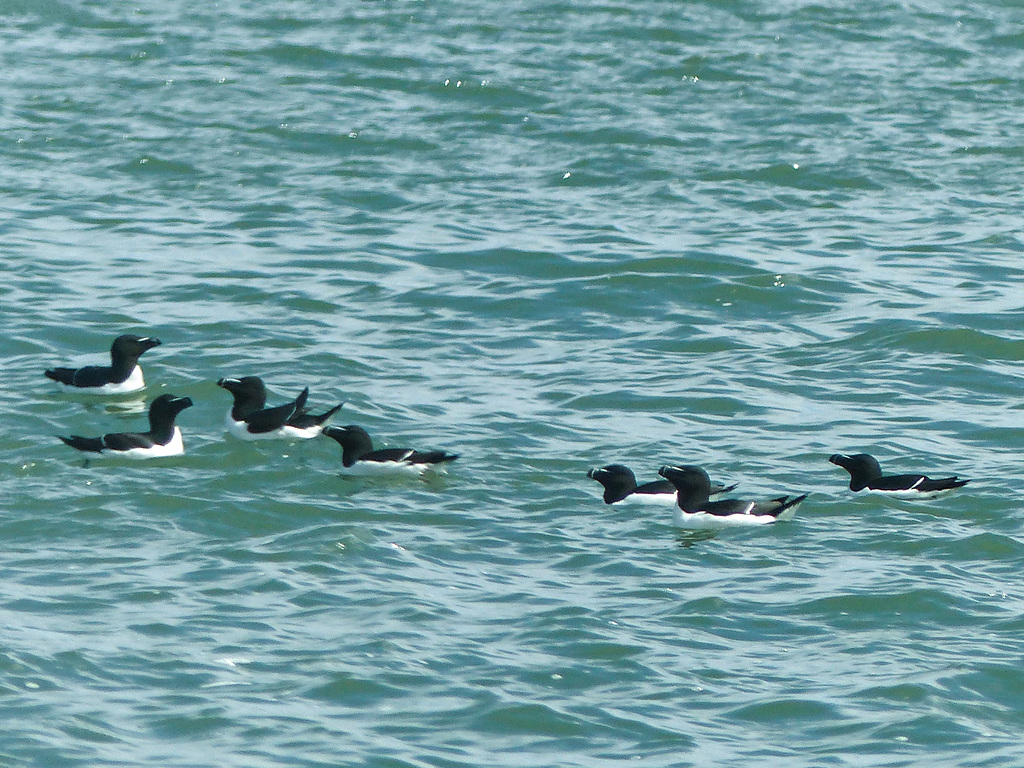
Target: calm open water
(547, 236)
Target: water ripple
(548, 238)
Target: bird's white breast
(388, 469)
(174, 447)
(651, 499)
(133, 383)
(907, 494)
(240, 430)
(704, 520)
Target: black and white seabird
(866, 474)
(163, 438)
(248, 419)
(620, 486)
(693, 510)
(122, 376)
(359, 458)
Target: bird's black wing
(385, 455)
(897, 483)
(409, 456)
(270, 419)
(124, 441)
(728, 507)
(656, 486)
(89, 376)
(941, 484)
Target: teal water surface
(546, 237)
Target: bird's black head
(131, 345)
(618, 481)
(164, 409)
(685, 476)
(861, 463)
(249, 388)
(351, 436)
(355, 442)
(609, 471)
(862, 467)
(692, 484)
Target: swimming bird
(163, 438)
(248, 419)
(693, 510)
(358, 456)
(866, 474)
(122, 376)
(620, 486)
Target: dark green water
(545, 236)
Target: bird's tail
(323, 418)
(788, 509)
(63, 375)
(431, 457)
(947, 484)
(93, 444)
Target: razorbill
(620, 486)
(359, 458)
(163, 438)
(866, 474)
(122, 376)
(693, 510)
(248, 419)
